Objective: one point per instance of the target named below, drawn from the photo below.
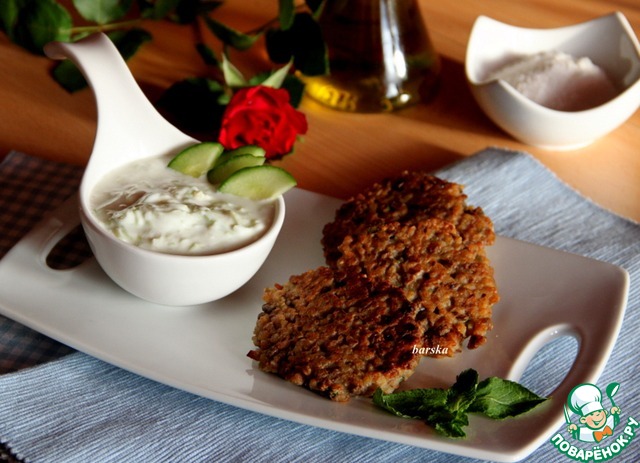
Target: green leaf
(102, 11)
(188, 10)
(431, 405)
(67, 74)
(276, 79)
(447, 422)
(38, 23)
(413, 403)
(129, 41)
(446, 410)
(207, 54)
(315, 6)
(232, 75)
(9, 12)
(303, 42)
(286, 13)
(500, 398)
(230, 36)
(157, 9)
(195, 104)
(451, 418)
(295, 87)
(463, 392)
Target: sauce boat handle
(129, 127)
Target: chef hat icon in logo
(596, 422)
(585, 399)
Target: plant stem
(298, 8)
(106, 27)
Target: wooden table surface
(342, 152)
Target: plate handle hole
(543, 368)
(70, 251)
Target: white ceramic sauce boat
(129, 128)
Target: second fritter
(409, 197)
(451, 282)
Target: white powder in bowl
(558, 81)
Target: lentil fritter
(452, 282)
(409, 197)
(337, 334)
(406, 273)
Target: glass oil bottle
(380, 54)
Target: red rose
(262, 116)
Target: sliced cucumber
(253, 150)
(198, 159)
(258, 182)
(219, 173)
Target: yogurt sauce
(152, 206)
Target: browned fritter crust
(406, 270)
(452, 282)
(409, 197)
(337, 334)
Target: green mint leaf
(446, 410)
(104, 11)
(230, 36)
(38, 23)
(463, 392)
(286, 14)
(500, 398)
(450, 419)
(303, 42)
(413, 403)
(447, 422)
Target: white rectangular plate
(202, 349)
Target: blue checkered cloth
(80, 409)
(30, 188)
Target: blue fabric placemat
(31, 187)
(80, 409)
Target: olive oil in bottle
(380, 55)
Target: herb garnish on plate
(446, 410)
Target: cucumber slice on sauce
(253, 150)
(219, 173)
(198, 159)
(258, 182)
